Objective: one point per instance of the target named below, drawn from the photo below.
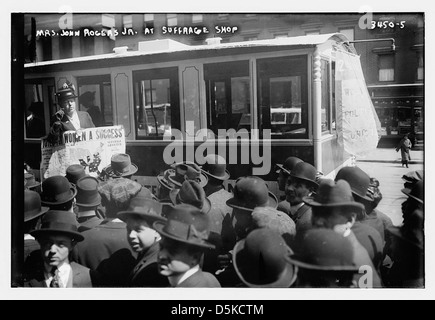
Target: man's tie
(55, 281)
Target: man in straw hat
(325, 260)
(333, 207)
(301, 182)
(260, 260)
(184, 240)
(68, 117)
(144, 240)
(57, 237)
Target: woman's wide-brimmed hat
(215, 166)
(57, 190)
(58, 221)
(120, 166)
(260, 260)
(67, 91)
(251, 192)
(334, 194)
(186, 224)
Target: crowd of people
(110, 231)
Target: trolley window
(283, 97)
(95, 97)
(157, 102)
(228, 96)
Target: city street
(384, 164)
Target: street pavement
(385, 165)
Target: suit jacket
(106, 250)
(80, 278)
(146, 272)
(200, 279)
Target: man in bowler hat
(58, 193)
(57, 237)
(184, 240)
(87, 201)
(68, 117)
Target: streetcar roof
(156, 47)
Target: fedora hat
(186, 224)
(417, 191)
(163, 179)
(412, 231)
(117, 193)
(145, 208)
(32, 205)
(215, 166)
(251, 192)
(324, 249)
(191, 193)
(67, 91)
(305, 172)
(74, 172)
(187, 171)
(120, 166)
(57, 190)
(30, 181)
(260, 260)
(87, 192)
(333, 194)
(288, 165)
(358, 180)
(58, 221)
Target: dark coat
(404, 146)
(200, 279)
(106, 250)
(146, 272)
(371, 240)
(81, 277)
(86, 223)
(85, 122)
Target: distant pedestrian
(405, 146)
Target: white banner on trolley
(357, 122)
(92, 148)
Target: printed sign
(357, 121)
(92, 148)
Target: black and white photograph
(225, 153)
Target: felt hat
(117, 193)
(31, 183)
(412, 231)
(58, 221)
(120, 166)
(251, 192)
(143, 207)
(260, 260)
(163, 179)
(215, 166)
(191, 193)
(305, 172)
(57, 190)
(333, 194)
(288, 165)
(67, 91)
(417, 191)
(324, 249)
(87, 192)
(358, 180)
(74, 172)
(187, 171)
(187, 224)
(32, 205)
